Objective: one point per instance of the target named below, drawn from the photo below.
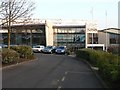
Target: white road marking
(63, 79)
(59, 87)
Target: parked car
(0, 48)
(38, 48)
(61, 50)
(49, 49)
(3, 45)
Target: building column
(86, 37)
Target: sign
(92, 30)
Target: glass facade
(69, 36)
(114, 38)
(26, 36)
(94, 37)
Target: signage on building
(92, 30)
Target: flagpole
(106, 29)
(92, 25)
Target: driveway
(50, 71)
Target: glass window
(70, 36)
(113, 39)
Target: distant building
(109, 37)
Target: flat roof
(111, 30)
(70, 26)
(25, 26)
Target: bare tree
(12, 10)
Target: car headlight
(49, 50)
(62, 50)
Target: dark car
(49, 49)
(61, 50)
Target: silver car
(49, 49)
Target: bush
(114, 49)
(108, 64)
(69, 51)
(82, 54)
(24, 51)
(9, 56)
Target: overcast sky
(79, 9)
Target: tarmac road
(50, 71)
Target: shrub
(108, 64)
(114, 49)
(9, 56)
(24, 51)
(82, 54)
(69, 51)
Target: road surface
(50, 71)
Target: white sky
(79, 9)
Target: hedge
(24, 51)
(108, 64)
(114, 49)
(9, 56)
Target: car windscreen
(36, 46)
(61, 48)
(49, 47)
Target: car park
(49, 49)
(38, 48)
(61, 50)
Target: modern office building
(71, 33)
